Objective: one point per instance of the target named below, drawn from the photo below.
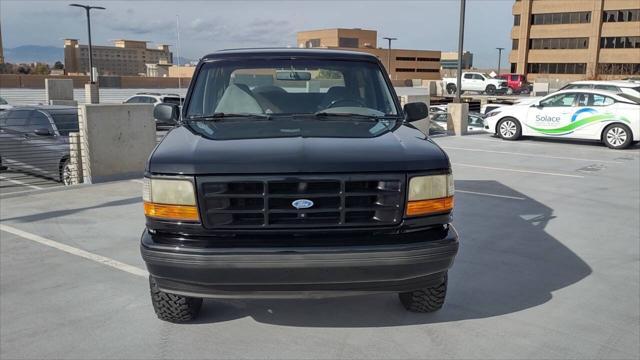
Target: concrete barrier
(458, 119)
(116, 140)
(59, 91)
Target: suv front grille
(267, 202)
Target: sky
(206, 26)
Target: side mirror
(415, 111)
(43, 132)
(166, 112)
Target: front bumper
(300, 271)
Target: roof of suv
(619, 83)
(290, 52)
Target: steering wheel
(346, 100)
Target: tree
(24, 69)
(41, 69)
(58, 65)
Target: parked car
(600, 115)
(475, 81)
(439, 122)
(617, 86)
(517, 83)
(4, 105)
(155, 99)
(35, 139)
(275, 186)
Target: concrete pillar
(457, 121)
(75, 159)
(91, 94)
(59, 92)
(116, 140)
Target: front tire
(617, 136)
(66, 174)
(491, 89)
(171, 307)
(509, 129)
(425, 300)
(451, 89)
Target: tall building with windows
(571, 40)
(404, 64)
(126, 57)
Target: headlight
(170, 199)
(430, 195)
(491, 113)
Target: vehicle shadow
(507, 263)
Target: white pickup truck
(475, 81)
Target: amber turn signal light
(171, 212)
(431, 206)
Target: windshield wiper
(220, 115)
(324, 114)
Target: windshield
(65, 122)
(632, 98)
(281, 87)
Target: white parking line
(138, 181)
(492, 195)
(75, 251)
(18, 182)
(518, 170)
(531, 155)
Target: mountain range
(45, 54)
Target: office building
(449, 60)
(401, 64)
(126, 57)
(572, 40)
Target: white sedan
(611, 118)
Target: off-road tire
(425, 300)
(490, 90)
(512, 130)
(66, 177)
(451, 89)
(617, 130)
(171, 307)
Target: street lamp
(390, 39)
(499, 58)
(88, 8)
(460, 47)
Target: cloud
(257, 32)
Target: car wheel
(451, 89)
(425, 300)
(509, 129)
(617, 136)
(171, 307)
(491, 89)
(509, 91)
(66, 173)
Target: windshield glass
(65, 121)
(632, 98)
(173, 100)
(290, 87)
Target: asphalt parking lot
(549, 267)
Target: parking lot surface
(548, 268)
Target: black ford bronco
(295, 173)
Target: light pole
(499, 58)
(460, 46)
(390, 39)
(88, 8)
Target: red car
(517, 83)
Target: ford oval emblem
(302, 204)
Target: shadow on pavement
(507, 263)
(59, 213)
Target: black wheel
(617, 136)
(491, 89)
(509, 129)
(425, 300)
(171, 307)
(451, 89)
(66, 174)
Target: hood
(402, 150)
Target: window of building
(405, 58)
(579, 17)
(514, 44)
(618, 69)
(625, 15)
(556, 68)
(428, 70)
(514, 67)
(620, 42)
(311, 43)
(348, 42)
(405, 70)
(516, 20)
(428, 59)
(559, 43)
